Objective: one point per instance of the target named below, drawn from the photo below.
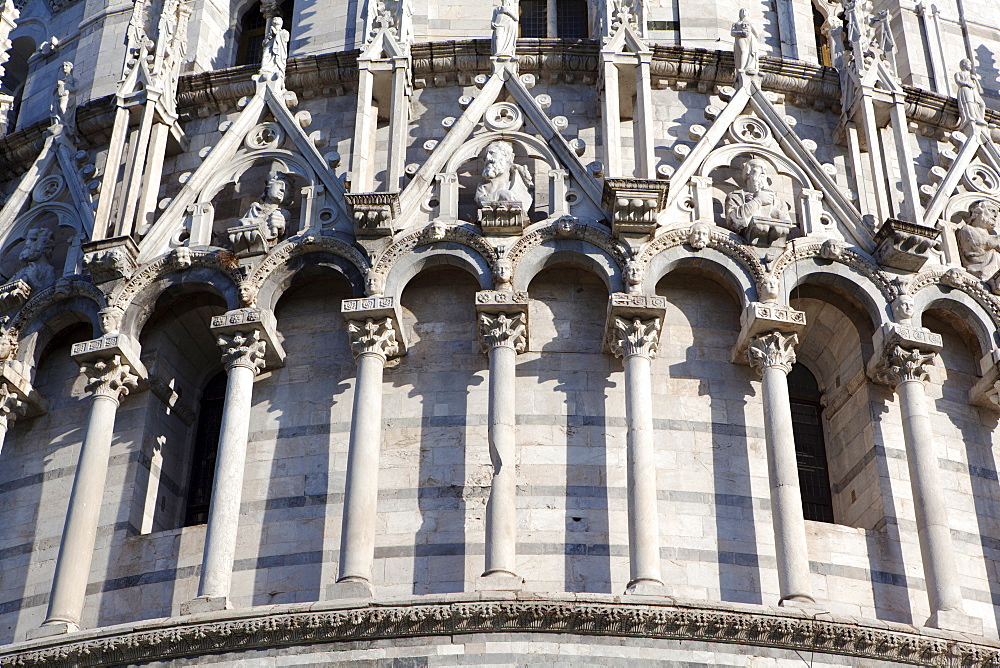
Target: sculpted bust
(267, 213)
(755, 209)
(978, 241)
(37, 271)
(503, 180)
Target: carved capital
(373, 337)
(503, 329)
(773, 349)
(11, 405)
(634, 336)
(902, 364)
(110, 259)
(109, 377)
(245, 349)
(759, 319)
(252, 324)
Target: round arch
(193, 279)
(968, 310)
(431, 255)
(577, 252)
(731, 272)
(849, 281)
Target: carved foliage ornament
(775, 350)
(11, 406)
(904, 364)
(373, 337)
(243, 349)
(502, 329)
(109, 377)
(634, 336)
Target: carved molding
(279, 626)
(772, 350)
(176, 260)
(373, 337)
(503, 329)
(455, 233)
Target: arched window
(810, 449)
(250, 42)
(822, 43)
(554, 18)
(16, 75)
(206, 447)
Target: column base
(499, 581)
(646, 588)
(52, 629)
(802, 603)
(956, 620)
(206, 604)
(349, 589)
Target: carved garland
(578, 231)
(294, 247)
(586, 618)
(176, 260)
(848, 258)
(457, 234)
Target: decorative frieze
(765, 318)
(110, 259)
(373, 213)
(503, 329)
(905, 246)
(499, 301)
(634, 204)
(773, 349)
(254, 329)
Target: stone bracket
(18, 384)
(110, 259)
(892, 334)
(247, 240)
(502, 218)
(502, 301)
(905, 246)
(108, 346)
(622, 305)
(634, 204)
(376, 308)
(760, 318)
(247, 319)
(373, 213)
(13, 294)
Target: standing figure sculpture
(62, 110)
(37, 271)
(978, 241)
(504, 26)
(755, 211)
(275, 55)
(746, 49)
(503, 180)
(971, 107)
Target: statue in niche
(746, 48)
(275, 56)
(755, 211)
(266, 214)
(37, 271)
(971, 107)
(503, 180)
(978, 241)
(504, 26)
(63, 107)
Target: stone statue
(854, 30)
(978, 241)
(755, 210)
(267, 213)
(746, 48)
(275, 55)
(882, 38)
(503, 180)
(37, 271)
(63, 107)
(971, 107)
(504, 26)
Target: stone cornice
(593, 615)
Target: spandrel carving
(756, 211)
(978, 240)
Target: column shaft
(227, 489)
(76, 550)
(643, 515)
(936, 549)
(357, 539)
(501, 510)
(790, 546)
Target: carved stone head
(903, 308)
(699, 236)
(984, 213)
(374, 283)
(634, 273)
(565, 227)
(755, 172)
(276, 189)
(770, 287)
(437, 231)
(503, 273)
(499, 159)
(111, 319)
(38, 244)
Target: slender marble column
(637, 340)
(108, 380)
(773, 355)
(373, 341)
(905, 368)
(243, 357)
(502, 335)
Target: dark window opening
(206, 447)
(810, 449)
(571, 19)
(822, 43)
(534, 18)
(16, 76)
(250, 46)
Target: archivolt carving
(847, 257)
(180, 258)
(724, 241)
(43, 299)
(588, 233)
(179, 637)
(959, 279)
(432, 234)
(294, 247)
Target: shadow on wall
(304, 399)
(986, 67)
